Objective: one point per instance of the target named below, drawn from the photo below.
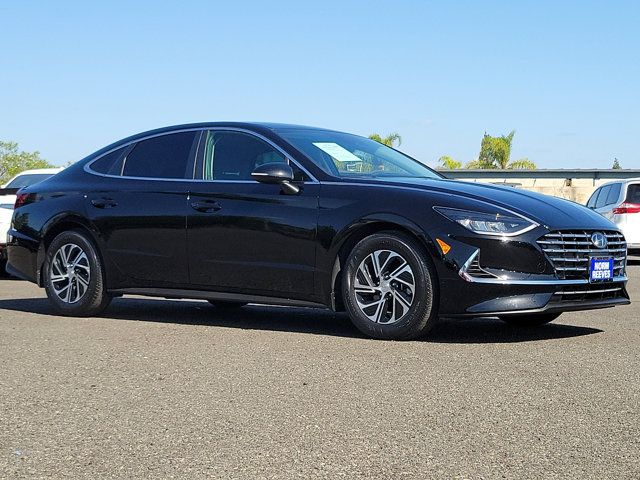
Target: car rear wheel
(389, 287)
(529, 320)
(226, 305)
(74, 276)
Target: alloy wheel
(384, 287)
(70, 273)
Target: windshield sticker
(337, 152)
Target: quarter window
(111, 163)
(166, 156)
(234, 155)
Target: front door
(244, 236)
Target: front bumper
(560, 297)
(469, 288)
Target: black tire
(532, 320)
(421, 315)
(95, 298)
(227, 305)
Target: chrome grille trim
(583, 292)
(569, 252)
(517, 281)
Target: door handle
(206, 206)
(104, 203)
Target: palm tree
(448, 163)
(495, 152)
(389, 140)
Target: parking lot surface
(160, 389)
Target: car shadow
(303, 320)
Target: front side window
(592, 199)
(234, 155)
(602, 198)
(166, 156)
(345, 155)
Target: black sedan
(282, 214)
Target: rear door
(141, 208)
(609, 199)
(245, 236)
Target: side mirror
(276, 173)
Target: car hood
(551, 212)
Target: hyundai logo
(599, 239)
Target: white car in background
(8, 199)
(619, 201)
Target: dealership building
(576, 185)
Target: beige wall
(579, 190)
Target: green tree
(616, 164)
(448, 163)
(14, 161)
(389, 140)
(522, 164)
(495, 152)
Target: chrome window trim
(313, 179)
(501, 281)
(87, 166)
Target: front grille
(589, 292)
(569, 252)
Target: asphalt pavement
(178, 389)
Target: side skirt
(207, 295)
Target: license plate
(600, 269)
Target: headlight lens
(505, 225)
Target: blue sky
(565, 75)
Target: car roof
(620, 180)
(37, 171)
(255, 126)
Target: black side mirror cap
(276, 173)
(273, 173)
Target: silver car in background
(619, 201)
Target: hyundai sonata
(235, 213)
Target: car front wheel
(389, 287)
(74, 276)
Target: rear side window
(614, 194)
(633, 193)
(111, 163)
(602, 197)
(166, 156)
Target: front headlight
(500, 224)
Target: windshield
(345, 155)
(28, 179)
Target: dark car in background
(282, 214)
